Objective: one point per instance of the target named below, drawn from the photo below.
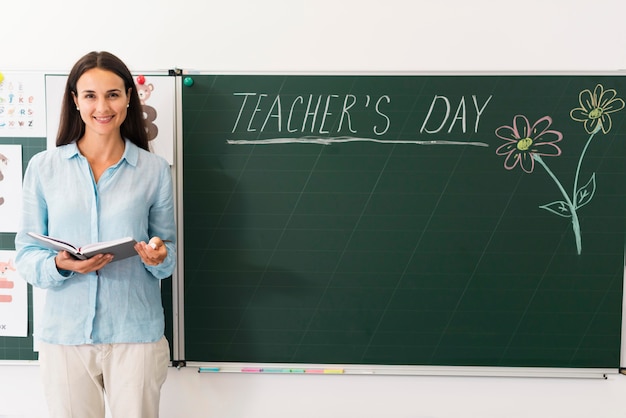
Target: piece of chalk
(208, 369)
(153, 245)
(251, 370)
(275, 370)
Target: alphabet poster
(10, 187)
(13, 298)
(22, 105)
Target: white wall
(329, 35)
(318, 35)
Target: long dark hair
(72, 127)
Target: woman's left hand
(153, 253)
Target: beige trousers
(77, 378)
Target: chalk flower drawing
(525, 144)
(596, 108)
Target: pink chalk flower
(524, 142)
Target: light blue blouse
(121, 303)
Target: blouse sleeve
(35, 263)
(162, 224)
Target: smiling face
(102, 100)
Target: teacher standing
(102, 331)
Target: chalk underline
(330, 141)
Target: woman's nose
(102, 104)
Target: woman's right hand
(65, 261)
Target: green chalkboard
(470, 220)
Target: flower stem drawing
(526, 144)
(565, 208)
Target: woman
(102, 331)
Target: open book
(120, 248)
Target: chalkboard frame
(187, 78)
